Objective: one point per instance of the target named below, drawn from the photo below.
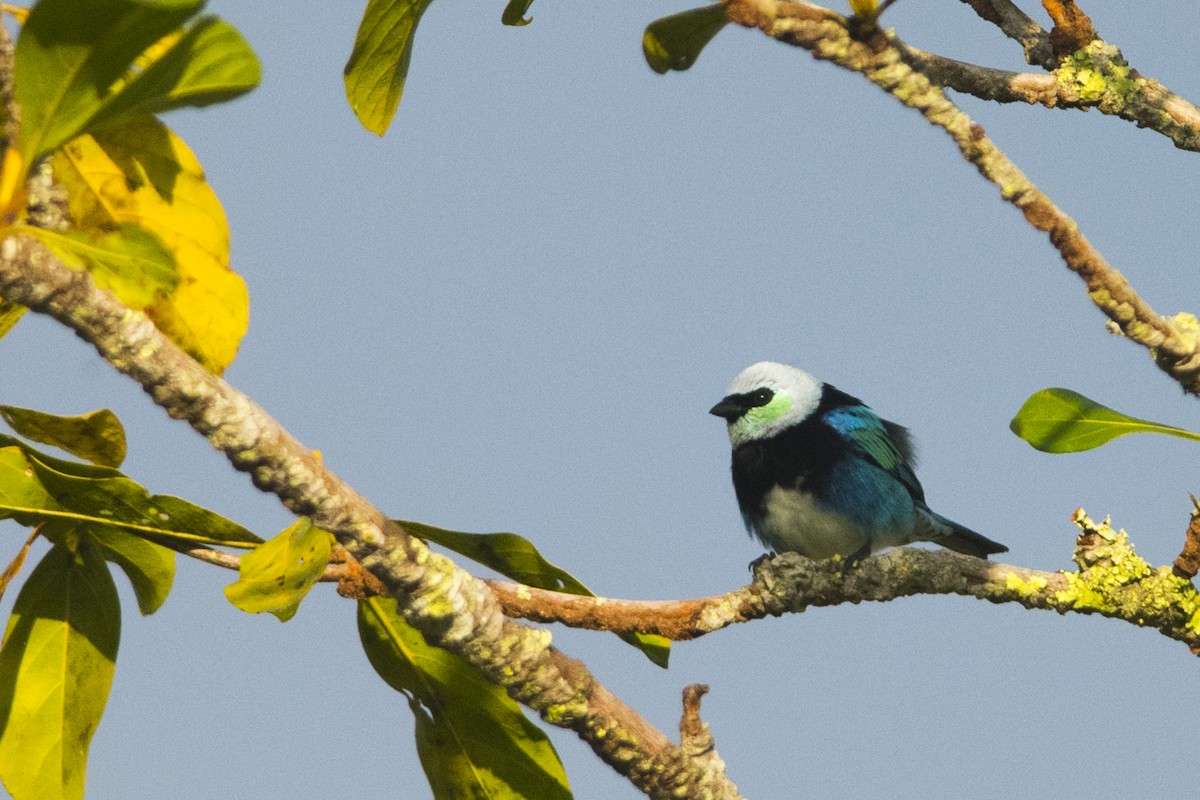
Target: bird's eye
(760, 397)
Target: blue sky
(513, 312)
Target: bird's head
(765, 399)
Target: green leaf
(515, 557)
(56, 669)
(1063, 421)
(276, 575)
(9, 314)
(130, 261)
(98, 436)
(675, 42)
(150, 567)
(514, 13)
(36, 488)
(472, 738)
(378, 65)
(210, 63)
(71, 53)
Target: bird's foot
(758, 562)
(851, 561)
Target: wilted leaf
(1063, 421)
(378, 65)
(675, 42)
(130, 262)
(56, 669)
(514, 13)
(472, 738)
(36, 488)
(277, 575)
(71, 52)
(140, 172)
(98, 437)
(515, 557)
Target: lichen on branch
(880, 57)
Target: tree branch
(1112, 581)
(1018, 26)
(1095, 77)
(451, 608)
(1173, 342)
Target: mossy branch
(1095, 76)
(451, 608)
(1112, 580)
(862, 47)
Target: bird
(819, 473)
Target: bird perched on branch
(818, 473)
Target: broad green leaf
(9, 314)
(36, 488)
(276, 575)
(139, 172)
(56, 669)
(98, 437)
(69, 55)
(1063, 421)
(150, 567)
(130, 262)
(210, 63)
(472, 738)
(378, 65)
(514, 13)
(675, 42)
(515, 557)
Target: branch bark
(1112, 581)
(451, 608)
(1173, 342)
(1095, 77)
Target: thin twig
(1018, 26)
(1187, 563)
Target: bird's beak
(728, 409)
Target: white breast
(794, 522)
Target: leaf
(277, 575)
(1063, 421)
(56, 669)
(69, 55)
(140, 172)
(36, 489)
(472, 738)
(515, 557)
(378, 65)
(675, 42)
(130, 262)
(9, 314)
(150, 567)
(514, 13)
(210, 63)
(98, 437)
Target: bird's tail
(950, 534)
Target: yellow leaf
(139, 171)
(12, 180)
(20, 13)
